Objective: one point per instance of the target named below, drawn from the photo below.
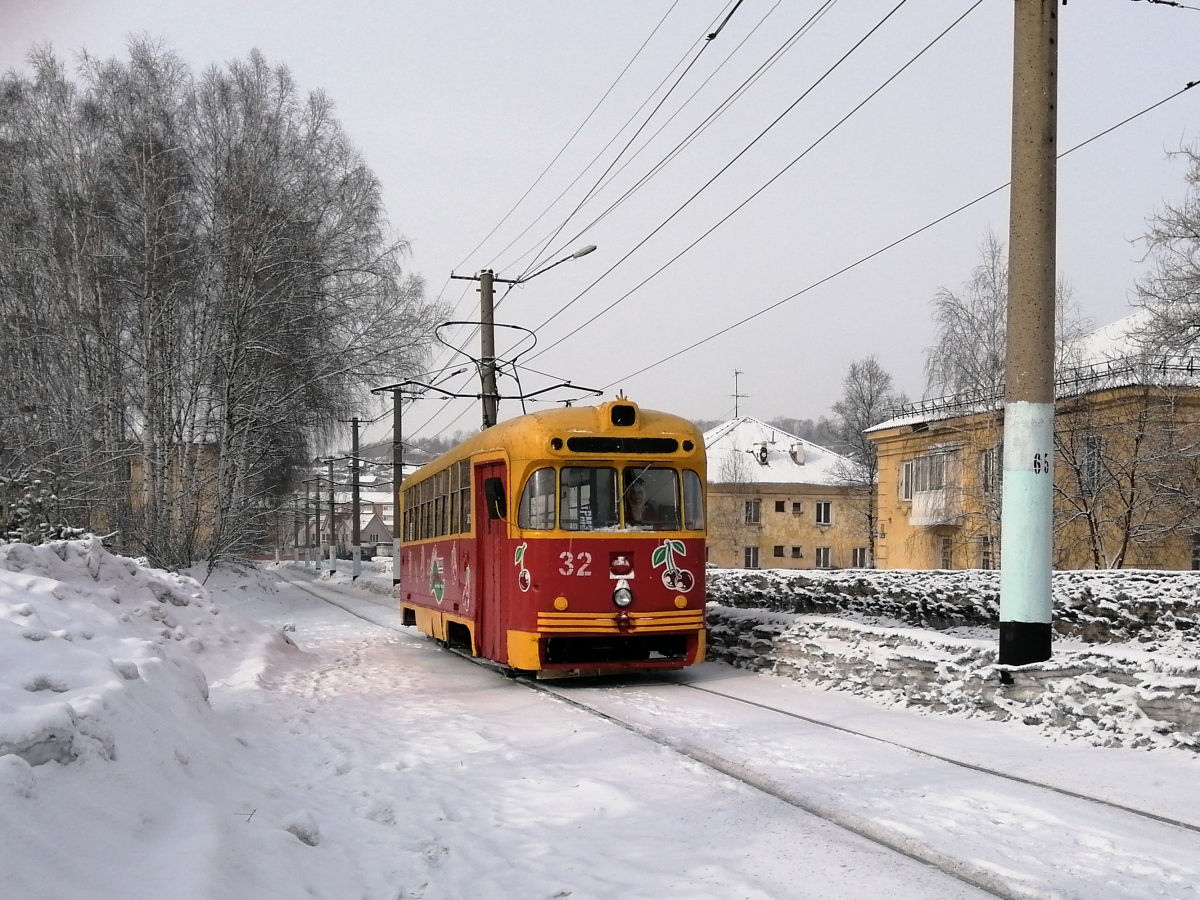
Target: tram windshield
(587, 498)
(651, 498)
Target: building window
(925, 473)
(778, 551)
(780, 506)
(797, 507)
(987, 559)
(797, 552)
(945, 552)
(824, 512)
(991, 467)
(754, 512)
(859, 557)
(823, 558)
(750, 557)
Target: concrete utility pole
(487, 346)
(295, 531)
(397, 484)
(356, 524)
(307, 523)
(1026, 523)
(487, 329)
(332, 522)
(318, 534)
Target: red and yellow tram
(569, 541)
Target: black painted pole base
(1024, 642)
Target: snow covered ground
(271, 735)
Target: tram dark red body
(501, 554)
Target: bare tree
(1126, 475)
(200, 282)
(727, 526)
(868, 398)
(968, 353)
(1171, 292)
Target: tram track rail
(849, 821)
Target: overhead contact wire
(895, 243)
(595, 159)
(721, 171)
(704, 45)
(574, 135)
(708, 120)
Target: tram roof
(526, 436)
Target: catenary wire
(723, 169)
(894, 243)
(595, 159)
(462, 345)
(845, 56)
(762, 188)
(708, 120)
(574, 134)
(704, 45)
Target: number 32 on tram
(565, 542)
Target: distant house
(778, 501)
(1126, 467)
(373, 531)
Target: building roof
(1112, 356)
(736, 456)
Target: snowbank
(922, 639)
(1159, 608)
(117, 778)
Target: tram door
(491, 536)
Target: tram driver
(639, 510)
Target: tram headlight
(622, 594)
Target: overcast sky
(458, 107)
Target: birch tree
(971, 323)
(1171, 291)
(200, 282)
(868, 398)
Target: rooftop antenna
(736, 395)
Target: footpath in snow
(255, 737)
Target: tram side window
(426, 509)
(587, 498)
(464, 495)
(693, 501)
(537, 501)
(443, 502)
(651, 498)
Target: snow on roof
(364, 496)
(1114, 355)
(747, 450)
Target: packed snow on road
(270, 734)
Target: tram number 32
(575, 563)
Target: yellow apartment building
(1126, 473)
(778, 501)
